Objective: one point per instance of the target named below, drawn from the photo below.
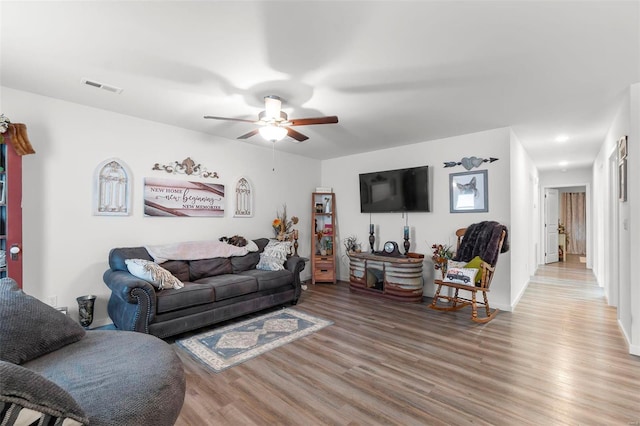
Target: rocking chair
(486, 240)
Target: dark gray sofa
(52, 371)
(214, 290)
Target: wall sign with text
(170, 197)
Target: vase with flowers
(283, 225)
(441, 255)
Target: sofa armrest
(132, 305)
(295, 265)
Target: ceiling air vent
(102, 86)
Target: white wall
(65, 247)
(439, 225)
(572, 177)
(634, 215)
(616, 224)
(524, 192)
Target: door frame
(589, 220)
(612, 236)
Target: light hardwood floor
(558, 359)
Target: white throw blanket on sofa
(194, 250)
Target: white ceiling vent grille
(102, 86)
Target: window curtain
(573, 209)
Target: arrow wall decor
(470, 162)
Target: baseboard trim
(633, 349)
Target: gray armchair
(53, 372)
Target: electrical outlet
(51, 301)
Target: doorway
(566, 224)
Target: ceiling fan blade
(318, 120)
(248, 135)
(296, 135)
(230, 119)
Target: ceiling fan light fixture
(272, 106)
(275, 123)
(263, 116)
(273, 133)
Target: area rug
(222, 348)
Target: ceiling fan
(275, 124)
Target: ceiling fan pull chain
(273, 156)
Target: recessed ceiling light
(563, 163)
(562, 138)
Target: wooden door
(551, 225)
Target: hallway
(580, 347)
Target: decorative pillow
(455, 264)
(475, 264)
(261, 243)
(274, 255)
(460, 275)
(30, 328)
(252, 246)
(31, 397)
(153, 273)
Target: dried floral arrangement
(4, 126)
(441, 254)
(283, 226)
(351, 243)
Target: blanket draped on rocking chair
(482, 239)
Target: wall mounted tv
(402, 190)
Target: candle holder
(295, 243)
(372, 239)
(407, 244)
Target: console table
(398, 278)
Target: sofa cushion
(24, 392)
(231, 285)
(209, 268)
(268, 280)
(153, 273)
(244, 263)
(30, 328)
(192, 294)
(178, 268)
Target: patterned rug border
(217, 364)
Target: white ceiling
(394, 72)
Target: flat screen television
(401, 190)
